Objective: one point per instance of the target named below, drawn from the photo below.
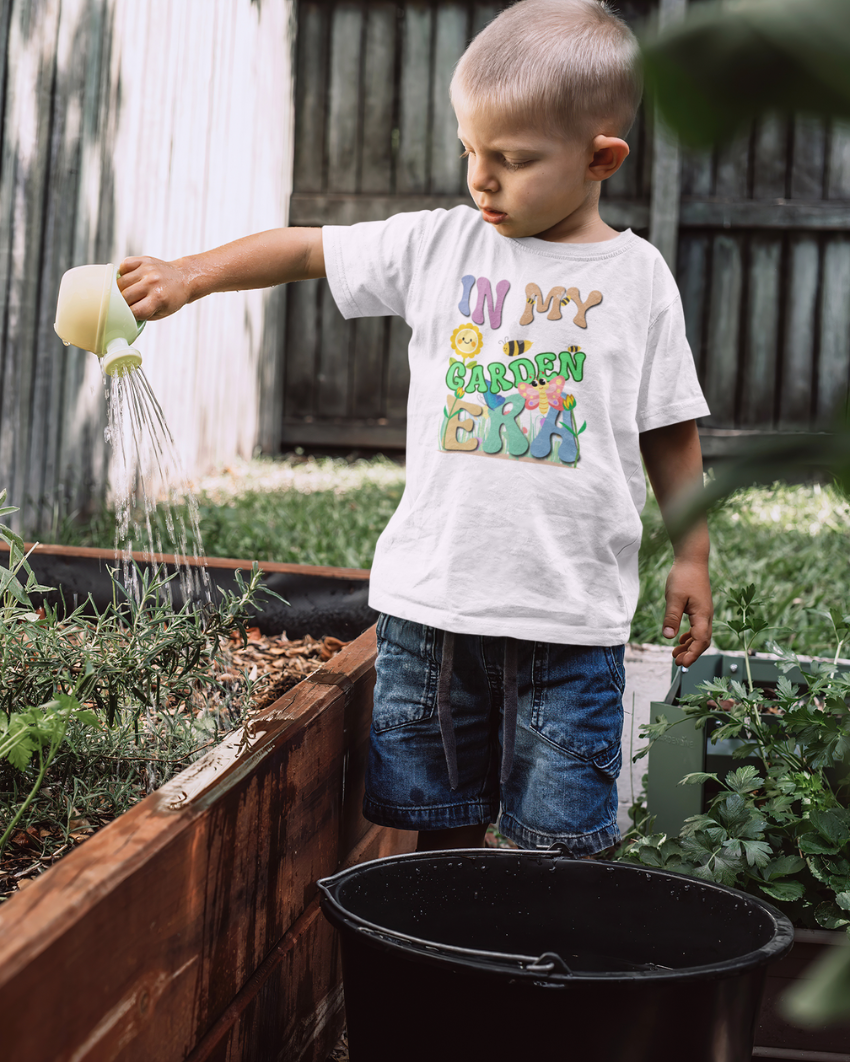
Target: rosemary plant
(98, 708)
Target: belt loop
(444, 707)
(510, 712)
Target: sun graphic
(467, 340)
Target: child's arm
(155, 289)
(674, 463)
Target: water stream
(149, 478)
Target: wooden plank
(838, 176)
(378, 99)
(302, 347)
(808, 162)
(665, 189)
(59, 222)
(764, 313)
(731, 172)
(833, 378)
(697, 173)
(398, 369)
(333, 375)
(664, 200)
(390, 435)
(483, 14)
(692, 277)
(270, 1022)
(801, 302)
(723, 330)
(343, 133)
(718, 443)
(187, 893)
(414, 94)
(367, 367)
(328, 209)
(27, 132)
(311, 95)
(770, 158)
(776, 214)
(448, 173)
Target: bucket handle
(547, 963)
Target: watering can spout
(92, 313)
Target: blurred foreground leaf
(764, 461)
(729, 63)
(824, 995)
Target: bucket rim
(549, 967)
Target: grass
(791, 540)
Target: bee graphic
(516, 346)
(543, 394)
(565, 300)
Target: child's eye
(466, 154)
(515, 165)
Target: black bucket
(494, 955)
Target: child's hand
(688, 592)
(153, 289)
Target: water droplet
(66, 343)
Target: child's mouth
(495, 217)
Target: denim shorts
(562, 785)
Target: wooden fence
(758, 232)
(159, 128)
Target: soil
(273, 663)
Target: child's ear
(609, 154)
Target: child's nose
(481, 177)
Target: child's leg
(407, 778)
(563, 784)
(459, 837)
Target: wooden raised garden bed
(189, 928)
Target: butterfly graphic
(543, 394)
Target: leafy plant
(136, 667)
(779, 824)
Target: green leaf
(830, 916)
(782, 865)
(786, 891)
(697, 778)
(650, 857)
(21, 752)
(831, 824)
(745, 779)
(813, 844)
(88, 717)
(757, 852)
(843, 900)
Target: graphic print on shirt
(516, 407)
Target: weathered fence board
(154, 128)
(757, 229)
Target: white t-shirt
(533, 368)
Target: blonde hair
(566, 67)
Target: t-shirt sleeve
(371, 266)
(669, 390)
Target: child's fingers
(694, 641)
(672, 619)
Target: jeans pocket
(578, 702)
(407, 674)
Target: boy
(548, 351)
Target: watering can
(92, 314)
